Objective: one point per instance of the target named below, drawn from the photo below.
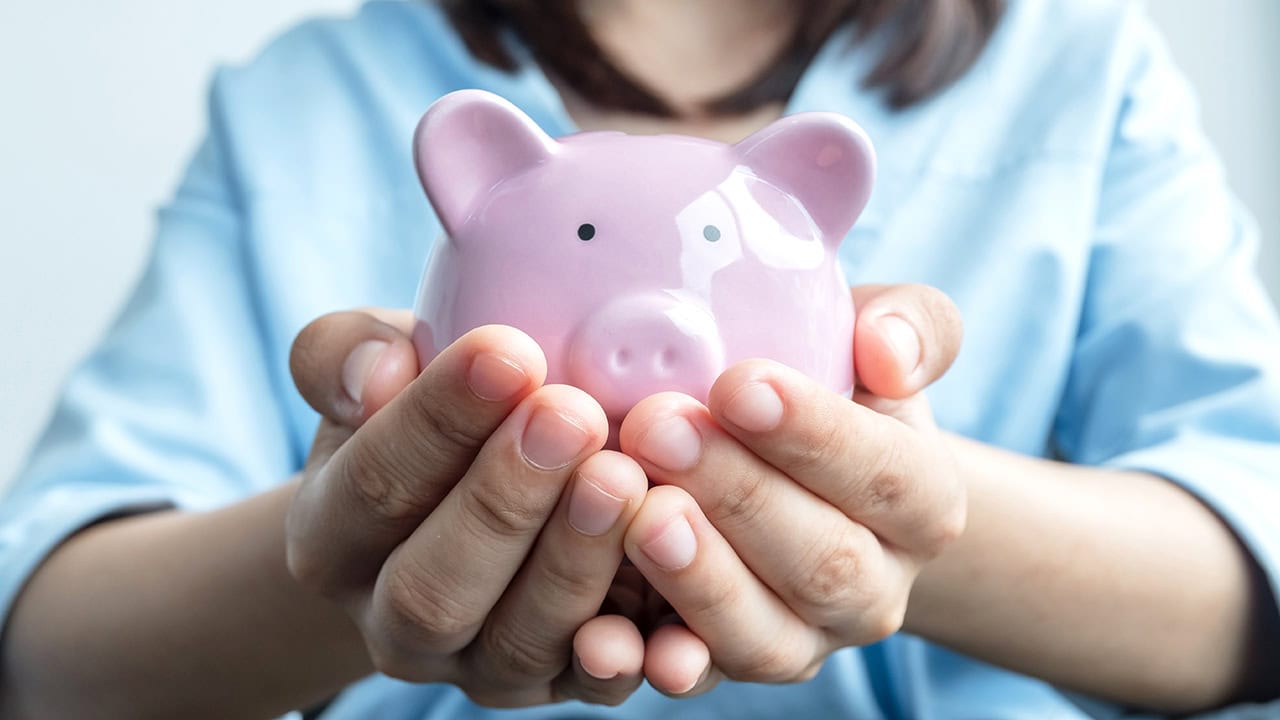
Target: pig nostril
(665, 362)
(635, 346)
(621, 359)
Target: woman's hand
(466, 518)
(789, 522)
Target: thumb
(905, 338)
(347, 365)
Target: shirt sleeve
(1177, 363)
(176, 406)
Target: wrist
(200, 605)
(942, 579)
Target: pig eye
(711, 233)
(586, 231)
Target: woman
(1040, 166)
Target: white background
(101, 102)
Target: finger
(752, 635)
(346, 518)
(437, 588)
(376, 369)
(608, 662)
(678, 664)
(873, 468)
(398, 318)
(827, 568)
(347, 365)
(905, 338)
(565, 579)
(329, 437)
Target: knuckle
(927, 507)
(887, 491)
(946, 531)
(772, 663)
(448, 428)
(306, 542)
(885, 483)
(881, 618)
(303, 565)
(566, 577)
(434, 617)
(520, 657)
(817, 444)
(886, 620)
(391, 659)
(307, 569)
(374, 478)
(507, 511)
(809, 672)
(716, 598)
(828, 587)
(395, 654)
(741, 500)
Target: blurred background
(103, 101)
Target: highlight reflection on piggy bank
(642, 263)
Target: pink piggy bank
(642, 263)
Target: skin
(687, 54)
(843, 523)
(1117, 584)
(277, 602)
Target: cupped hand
(466, 517)
(787, 521)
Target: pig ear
(467, 143)
(824, 160)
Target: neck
(688, 52)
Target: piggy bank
(642, 263)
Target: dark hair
(930, 44)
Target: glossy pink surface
(642, 263)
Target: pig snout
(638, 345)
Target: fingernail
(706, 670)
(675, 548)
(755, 408)
(598, 673)
(495, 378)
(552, 440)
(359, 365)
(672, 444)
(903, 340)
(592, 511)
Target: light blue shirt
(1061, 193)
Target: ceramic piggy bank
(642, 263)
